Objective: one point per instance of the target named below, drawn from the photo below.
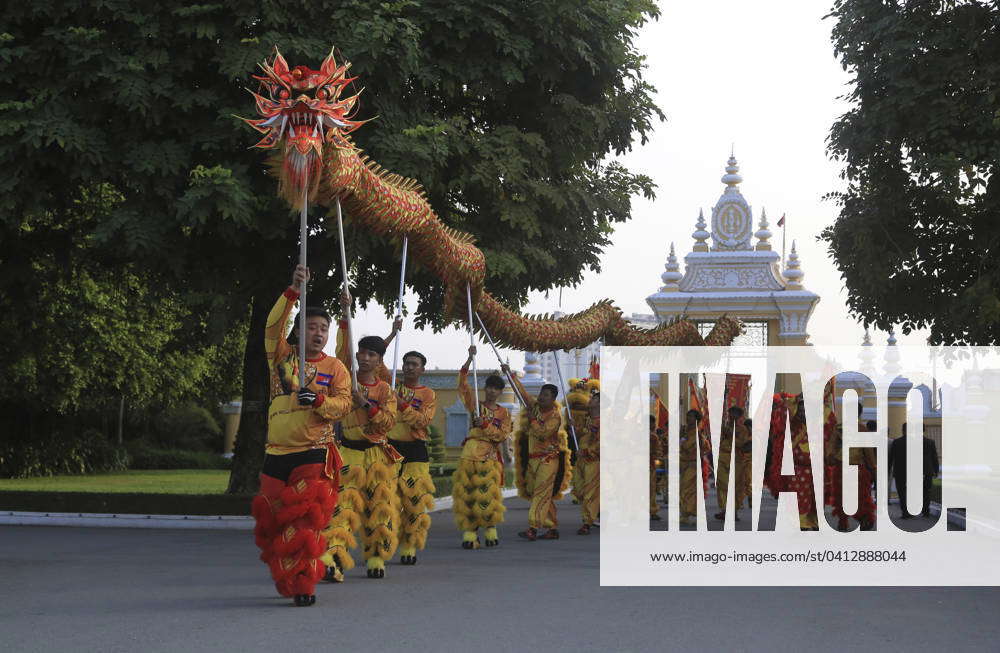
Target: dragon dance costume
(478, 479)
(542, 459)
(368, 495)
(415, 486)
(299, 479)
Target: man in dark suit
(897, 467)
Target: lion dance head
(302, 111)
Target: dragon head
(301, 112)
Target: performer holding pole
(499, 360)
(478, 479)
(542, 459)
(399, 311)
(347, 309)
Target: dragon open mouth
(303, 108)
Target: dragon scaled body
(311, 136)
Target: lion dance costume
(416, 488)
(298, 483)
(478, 479)
(542, 459)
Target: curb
(179, 522)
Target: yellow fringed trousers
(416, 497)
(368, 503)
(477, 495)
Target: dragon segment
(316, 156)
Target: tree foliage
(918, 232)
(504, 111)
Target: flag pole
(347, 310)
(399, 311)
(303, 236)
(472, 343)
(500, 360)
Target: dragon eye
(322, 93)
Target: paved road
(130, 590)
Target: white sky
(757, 75)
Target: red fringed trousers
(296, 500)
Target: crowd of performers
(735, 449)
(348, 464)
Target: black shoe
(376, 573)
(492, 542)
(334, 574)
(408, 560)
(304, 600)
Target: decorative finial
(732, 176)
(866, 354)
(672, 276)
(793, 275)
(763, 234)
(700, 235)
(892, 366)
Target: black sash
(413, 451)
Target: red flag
(595, 368)
(781, 222)
(660, 412)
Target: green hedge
(57, 454)
(146, 457)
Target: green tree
(917, 236)
(505, 112)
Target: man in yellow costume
(542, 458)
(690, 465)
(478, 479)
(299, 479)
(734, 435)
(587, 471)
(656, 454)
(415, 408)
(368, 494)
(578, 399)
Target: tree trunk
(248, 454)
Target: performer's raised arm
(469, 397)
(529, 400)
(275, 344)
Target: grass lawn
(159, 481)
